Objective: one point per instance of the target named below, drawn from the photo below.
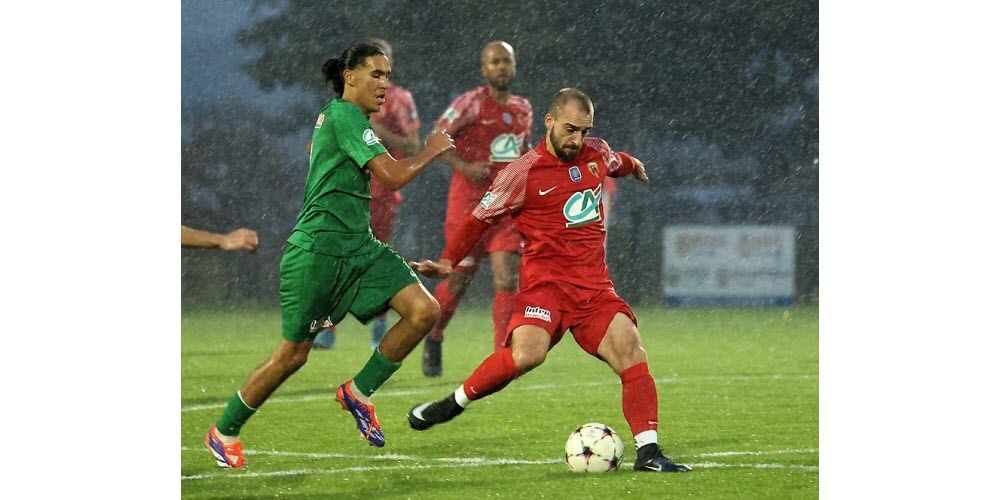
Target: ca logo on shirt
(583, 207)
(450, 115)
(506, 148)
(369, 137)
(487, 199)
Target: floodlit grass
(738, 391)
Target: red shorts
(556, 307)
(501, 236)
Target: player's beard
(501, 85)
(563, 154)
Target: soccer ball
(594, 447)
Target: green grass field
(738, 390)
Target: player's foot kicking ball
(650, 459)
(432, 357)
(426, 415)
(226, 456)
(364, 415)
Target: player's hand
(640, 171)
(440, 142)
(240, 239)
(431, 269)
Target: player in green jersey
(333, 265)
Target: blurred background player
(398, 126)
(554, 193)
(491, 127)
(240, 239)
(333, 265)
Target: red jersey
(556, 206)
(399, 115)
(484, 130)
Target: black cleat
(650, 459)
(426, 415)
(432, 357)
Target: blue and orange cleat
(363, 413)
(226, 456)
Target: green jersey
(336, 213)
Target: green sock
(375, 373)
(235, 415)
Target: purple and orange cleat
(364, 414)
(226, 456)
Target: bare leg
(268, 376)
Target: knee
(526, 359)
(424, 315)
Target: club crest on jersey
(583, 207)
(507, 118)
(574, 173)
(369, 137)
(450, 115)
(506, 148)
(594, 170)
(487, 199)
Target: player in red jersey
(491, 127)
(398, 126)
(554, 193)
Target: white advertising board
(738, 265)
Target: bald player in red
(491, 127)
(554, 194)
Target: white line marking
(624, 466)
(453, 462)
(513, 388)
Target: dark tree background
(720, 99)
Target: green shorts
(316, 286)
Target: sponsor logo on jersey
(583, 207)
(319, 121)
(538, 313)
(450, 115)
(506, 147)
(370, 138)
(574, 173)
(487, 199)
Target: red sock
(639, 399)
(493, 374)
(449, 304)
(503, 309)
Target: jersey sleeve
(356, 138)
(460, 114)
(619, 164)
(506, 194)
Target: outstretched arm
(240, 239)
(394, 174)
(630, 165)
(472, 230)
